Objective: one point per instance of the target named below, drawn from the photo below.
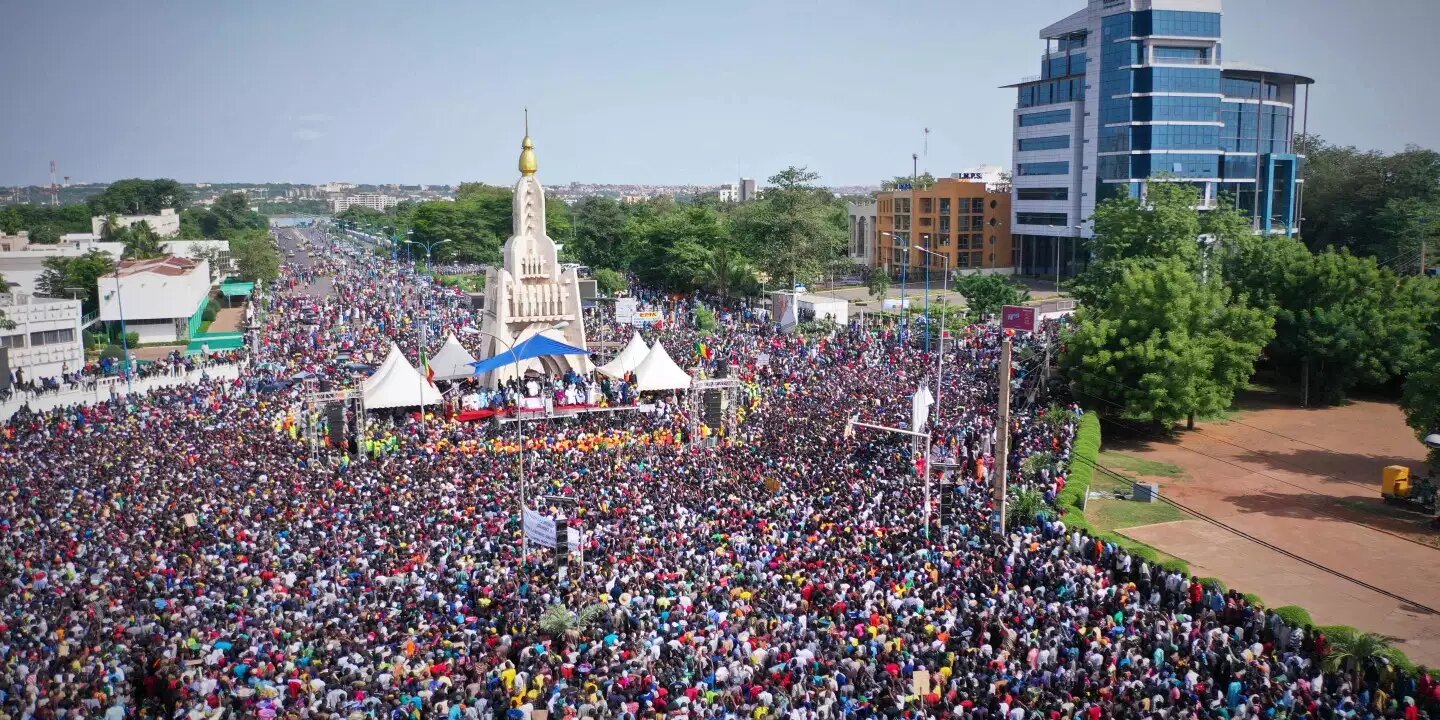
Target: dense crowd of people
(181, 555)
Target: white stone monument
(530, 293)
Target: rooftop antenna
(527, 121)
(927, 149)
(54, 186)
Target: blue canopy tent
(531, 347)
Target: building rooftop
(1251, 70)
(168, 265)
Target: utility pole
(1002, 437)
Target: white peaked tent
(628, 359)
(453, 360)
(397, 384)
(658, 372)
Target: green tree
(1352, 196)
(1175, 347)
(139, 197)
(83, 272)
(1163, 227)
(878, 284)
(923, 181)
(256, 256)
(986, 294)
(609, 281)
(600, 232)
(795, 229)
(141, 243)
(1416, 331)
(1353, 651)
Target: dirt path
(1314, 493)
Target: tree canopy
(986, 294)
(1369, 202)
(139, 197)
(793, 228)
(1175, 347)
(82, 273)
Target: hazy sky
(662, 91)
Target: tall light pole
(904, 309)
(420, 327)
(520, 431)
(429, 247)
(940, 359)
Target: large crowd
(179, 555)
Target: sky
(627, 91)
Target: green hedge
(1215, 584)
(1294, 615)
(1083, 456)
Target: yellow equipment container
(1395, 481)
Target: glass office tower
(1136, 91)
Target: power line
(1271, 546)
(1238, 445)
(1262, 474)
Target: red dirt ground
(1306, 481)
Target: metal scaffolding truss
(312, 405)
(729, 389)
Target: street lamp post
(420, 328)
(854, 422)
(904, 309)
(520, 432)
(940, 360)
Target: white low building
(166, 224)
(160, 299)
(46, 339)
(22, 261)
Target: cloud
(313, 119)
(308, 134)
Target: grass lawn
(1110, 515)
(1138, 466)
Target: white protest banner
(539, 529)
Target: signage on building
(1017, 317)
(969, 176)
(903, 186)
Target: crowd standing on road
(180, 555)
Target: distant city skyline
(643, 93)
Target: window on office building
(12, 341)
(1048, 117)
(52, 337)
(1043, 168)
(1058, 193)
(1051, 142)
(977, 205)
(1038, 218)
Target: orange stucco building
(962, 219)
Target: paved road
(290, 241)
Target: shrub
(705, 319)
(114, 352)
(1295, 615)
(210, 311)
(1253, 599)
(608, 281)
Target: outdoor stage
(506, 415)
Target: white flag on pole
(920, 408)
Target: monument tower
(530, 293)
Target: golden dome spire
(528, 164)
